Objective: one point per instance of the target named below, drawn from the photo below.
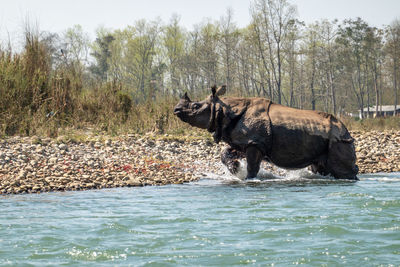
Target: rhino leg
(230, 158)
(254, 158)
(319, 166)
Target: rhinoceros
(258, 129)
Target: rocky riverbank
(33, 164)
(377, 151)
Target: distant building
(383, 111)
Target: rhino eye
(196, 105)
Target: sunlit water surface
(299, 218)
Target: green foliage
(39, 100)
(137, 72)
(102, 54)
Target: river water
(218, 221)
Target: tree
(328, 54)
(207, 52)
(102, 53)
(140, 53)
(352, 36)
(311, 42)
(191, 61)
(252, 75)
(76, 44)
(393, 50)
(321, 64)
(291, 50)
(173, 43)
(229, 38)
(374, 45)
(272, 20)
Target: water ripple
(281, 221)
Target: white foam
(382, 177)
(266, 175)
(289, 176)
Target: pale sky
(57, 16)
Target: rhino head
(199, 114)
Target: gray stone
(62, 146)
(97, 145)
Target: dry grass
(38, 99)
(377, 124)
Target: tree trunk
(278, 82)
(333, 93)
(376, 89)
(291, 100)
(395, 86)
(366, 84)
(312, 89)
(380, 87)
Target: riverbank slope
(33, 164)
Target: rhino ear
(213, 90)
(185, 96)
(221, 90)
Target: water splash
(278, 175)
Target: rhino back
(299, 136)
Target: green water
(316, 222)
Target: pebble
(377, 151)
(41, 164)
(62, 146)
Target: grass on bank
(369, 124)
(40, 98)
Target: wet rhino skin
(258, 129)
(291, 138)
